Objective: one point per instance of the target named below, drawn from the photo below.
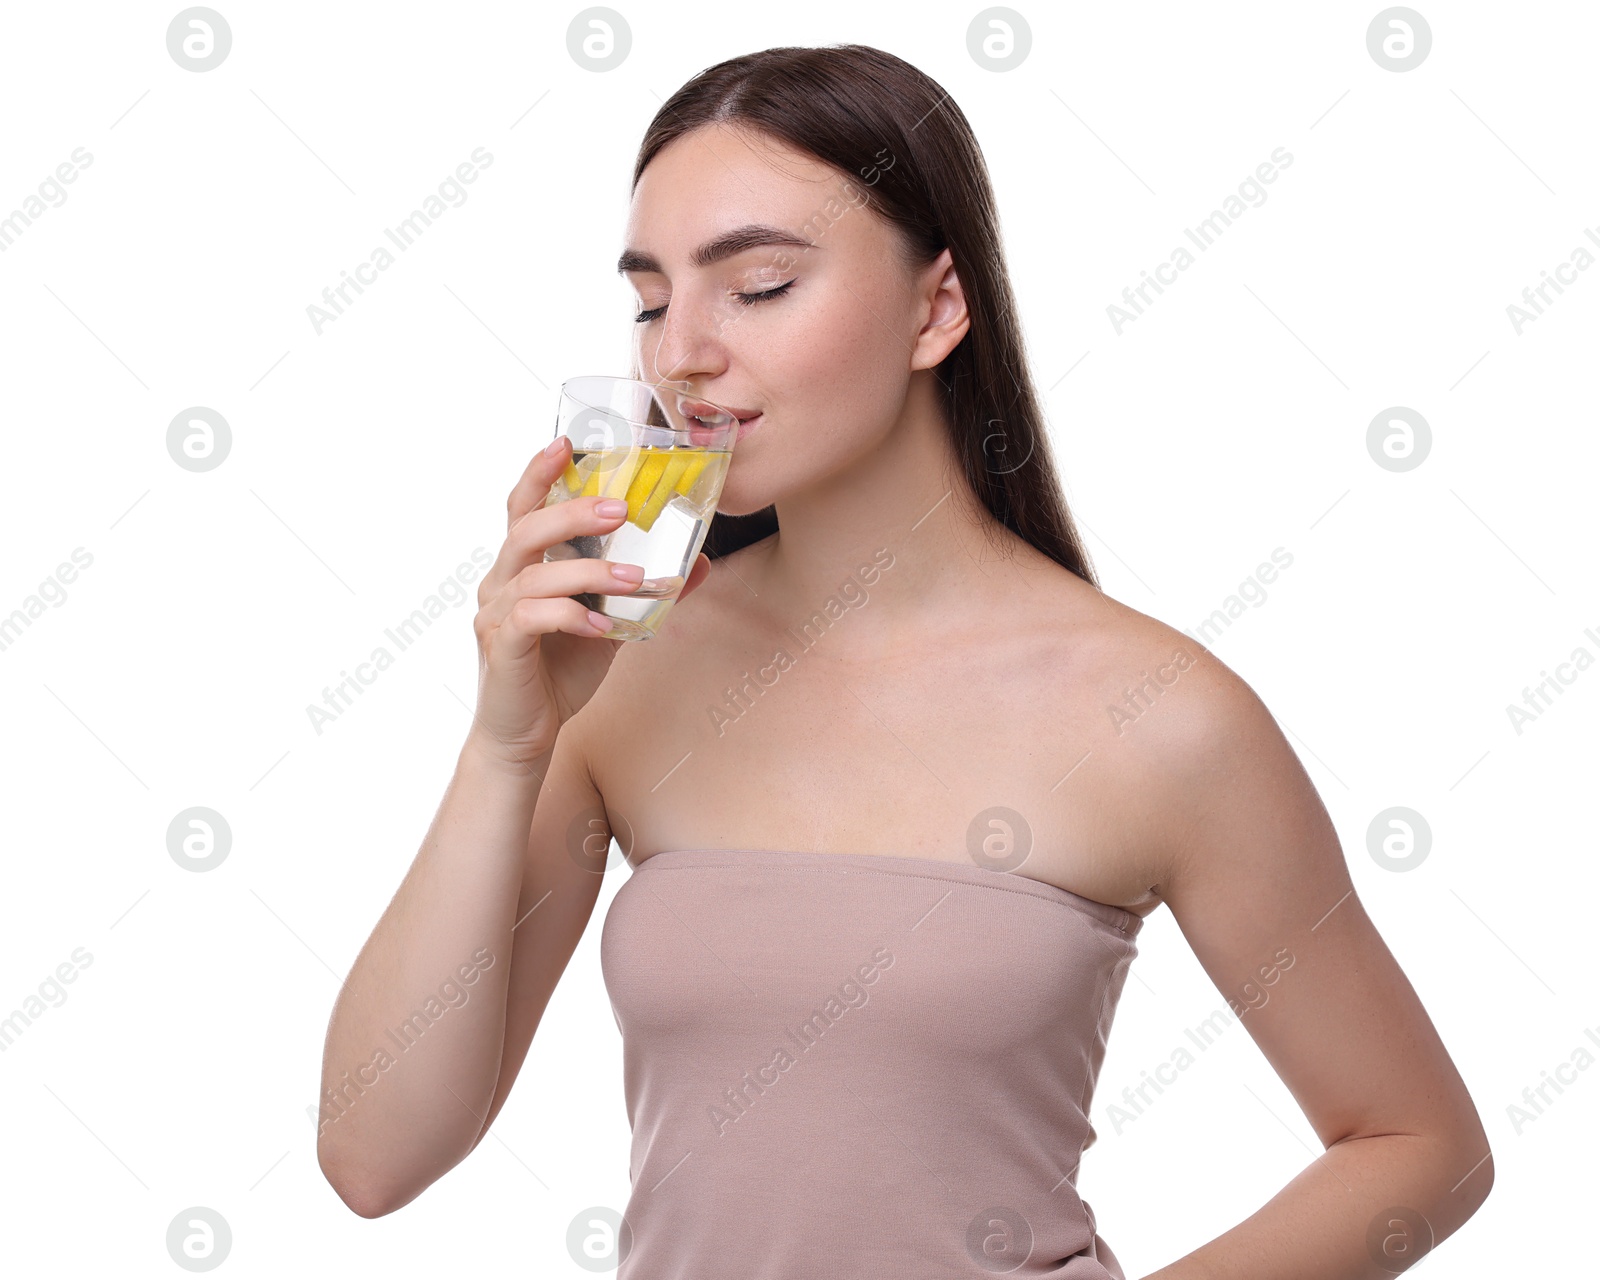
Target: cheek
(836, 375)
(839, 350)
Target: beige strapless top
(853, 1067)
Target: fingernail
(611, 507)
(554, 445)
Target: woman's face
(814, 323)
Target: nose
(688, 344)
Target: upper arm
(1259, 887)
(561, 873)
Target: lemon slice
(619, 467)
(644, 477)
(577, 473)
(698, 459)
(677, 462)
(645, 480)
(592, 476)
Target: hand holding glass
(663, 452)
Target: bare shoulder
(1226, 812)
(1163, 680)
(1256, 880)
(1167, 717)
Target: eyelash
(748, 299)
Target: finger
(535, 618)
(536, 479)
(556, 579)
(537, 531)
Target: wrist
(483, 752)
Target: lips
(708, 413)
(712, 414)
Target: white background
(369, 461)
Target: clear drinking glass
(664, 452)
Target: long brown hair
(860, 109)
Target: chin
(735, 498)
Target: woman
(898, 782)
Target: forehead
(717, 177)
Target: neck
(905, 526)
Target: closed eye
(747, 299)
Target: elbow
(1481, 1180)
(1463, 1172)
(372, 1187)
(363, 1201)
(1473, 1160)
(361, 1204)
(362, 1196)
(1447, 1168)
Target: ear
(939, 288)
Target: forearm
(440, 952)
(1333, 1221)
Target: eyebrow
(750, 236)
